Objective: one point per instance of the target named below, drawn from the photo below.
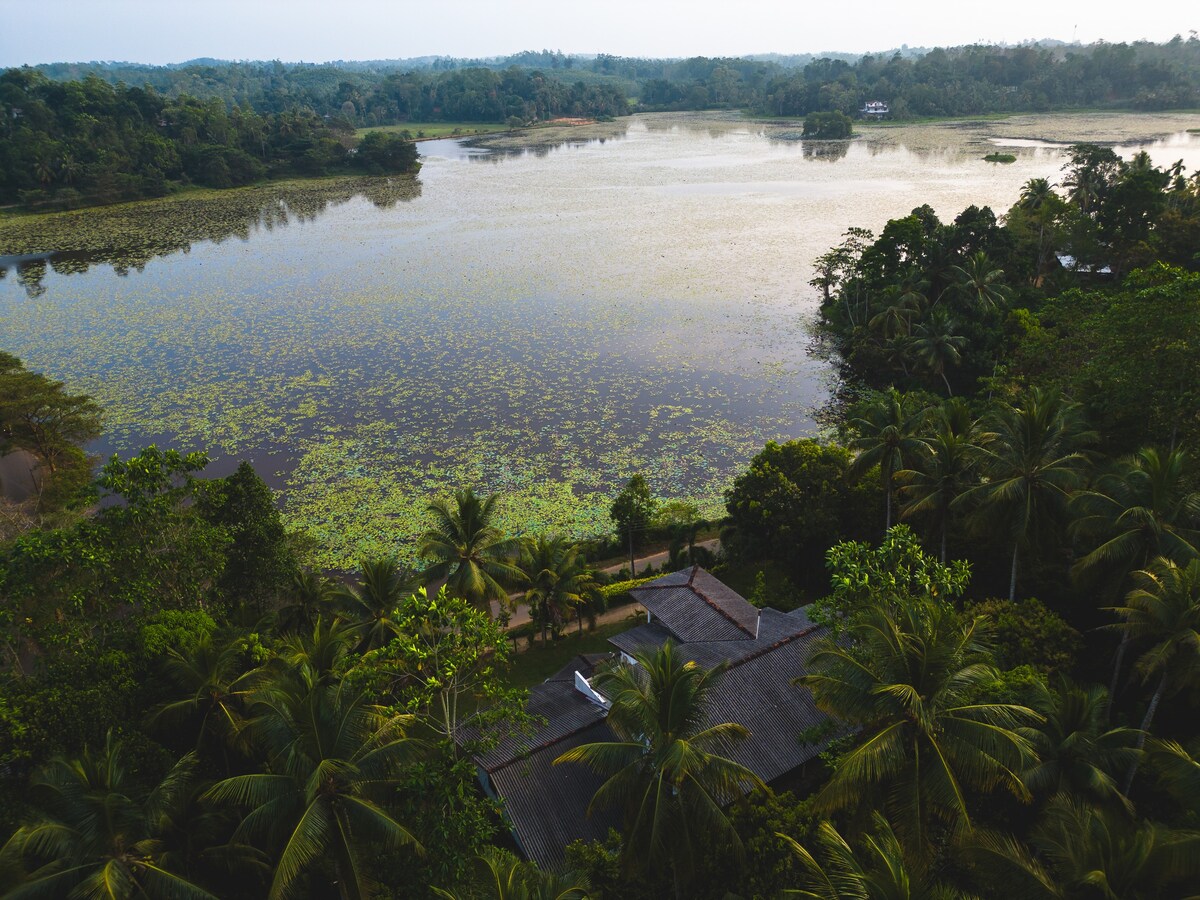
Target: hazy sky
(160, 31)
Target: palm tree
(1164, 612)
(311, 596)
(665, 770)
(332, 762)
(469, 551)
(372, 606)
(885, 435)
(1077, 752)
(980, 284)
(322, 650)
(213, 681)
(1142, 510)
(880, 870)
(98, 835)
(1083, 851)
(1032, 464)
(936, 347)
(1035, 194)
(1178, 772)
(911, 679)
(944, 469)
(559, 580)
(501, 875)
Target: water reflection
(130, 236)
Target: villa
(874, 109)
(763, 650)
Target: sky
(165, 31)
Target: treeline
(80, 142)
(378, 95)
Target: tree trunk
(949, 392)
(1116, 675)
(1146, 720)
(945, 519)
(887, 493)
(1012, 581)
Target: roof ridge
(779, 643)
(699, 593)
(529, 751)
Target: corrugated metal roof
(695, 606)
(547, 804)
(565, 711)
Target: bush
(1026, 633)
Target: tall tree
(331, 765)
(372, 605)
(477, 560)
(665, 770)
(886, 434)
(1033, 463)
(98, 834)
(1142, 509)
(631, 512)
(1163, 611)
(936, 347)
(944, 470)
(559, 581)
(912, 680)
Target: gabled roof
(695, 606)
(547, 804)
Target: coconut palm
(885, 435)
(910, 679)
(943, 470)
(371, 607)
(1077, 752)
(1035, 194)
(1033, 462)
(1140, 511)
(212, 682)
(311, 595)
(97, 834)
(1178, 772)
(469, 551)
(323, 649)
(1083, 851)
(1164, 612)
(665, 770)
(559, 580)
(332, 761)
(878, 870)
(979, 284)
(501, 875)
(936, 347)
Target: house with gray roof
(711, 624)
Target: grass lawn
(535, 665)
(439, 129)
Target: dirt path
(520, 614)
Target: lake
(543, 316)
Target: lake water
(543, 321)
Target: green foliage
(259, 562)
(665, 771)
(633, 510)
(445, 665)
(469, 551)
(828, 125)
(794, 502)
(911, 678)
(180, 630)
(1026, 633)
(896, 576)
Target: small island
(1000, 158)
(828, 126)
